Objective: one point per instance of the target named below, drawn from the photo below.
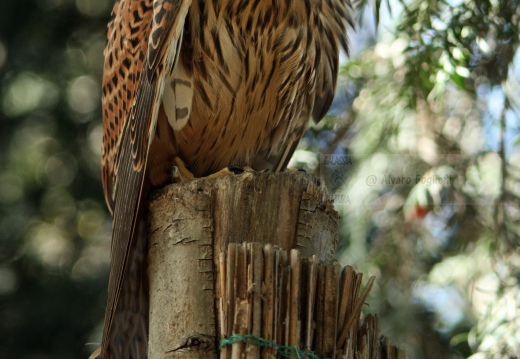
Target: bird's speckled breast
(253, 68)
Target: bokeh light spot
(28, 92)
(50, 245)
(90, 224)
(83, 94)
(94, 139)
(60, 170)
(92, 7)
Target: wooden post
(202, 289)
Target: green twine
(284, 350)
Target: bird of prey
(207, 83)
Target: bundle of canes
(274, 304)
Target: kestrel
(213, 83)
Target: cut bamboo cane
(281, 299)
(294, 306)
(256, 266)
(268, 296)
(311, 302)
(330, 309)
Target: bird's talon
(176, 175)
(236, 170)
(180, 172)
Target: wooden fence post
(191, 277)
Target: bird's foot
(292, 170)
(180, 172)
(231, 170)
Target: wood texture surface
(192, 223)
(253, 254)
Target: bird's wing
(143, 44)
(338, 14)
(326, 51)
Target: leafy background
(430, 95)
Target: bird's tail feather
(128, 337)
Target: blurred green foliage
(54, 228)
(431, 193)
(431, 98)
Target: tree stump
(191, 226)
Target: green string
(284, 350)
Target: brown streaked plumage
(216, 83)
